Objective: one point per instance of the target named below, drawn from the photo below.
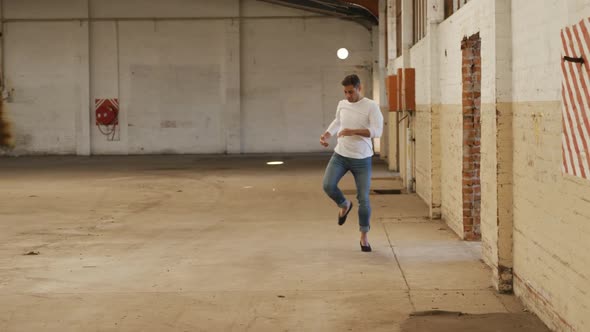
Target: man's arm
(375, 126)
(375, 122)
(335, 125)
(355, 132)
(332, 129)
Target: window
(419, 20)
(452, 6)
(448, 8)
(398, 27)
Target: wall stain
(5, 129)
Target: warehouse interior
(161, 167)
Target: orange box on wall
(410, 88)
(400, 87)
(401, 90)
(392, 93)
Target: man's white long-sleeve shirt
(364, 114)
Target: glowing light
(342, 53)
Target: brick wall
(471, 73)
(426, 124)
(551, 209)
(474, 18)
(535, 221)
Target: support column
(504, 145)
(233, 118)
(382, 76)
(83, 114)
(406, 126)
(435, 15)
(393, 140)
(497, 152)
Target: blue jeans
(361, 170)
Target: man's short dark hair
(351, 80)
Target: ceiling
(365, 12)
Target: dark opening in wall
(398, 27)
(5, 135)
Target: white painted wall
(551, 209)
(191, 76)
(291, 81)
(522, 181)
(46, 72)
(419, 56)
(39, 9)
(172, 87)
(163, 9)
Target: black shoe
(366, 248)
(342, 220)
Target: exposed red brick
(471, 96)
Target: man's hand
(324, 138)
(347, 132)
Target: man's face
(352, 94)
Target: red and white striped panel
(575, 93)
(99, 102)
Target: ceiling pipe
(350, 10)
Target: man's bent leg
(335, 170)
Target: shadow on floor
(444, 321)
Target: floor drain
(387, 191)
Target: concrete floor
(186, 243)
